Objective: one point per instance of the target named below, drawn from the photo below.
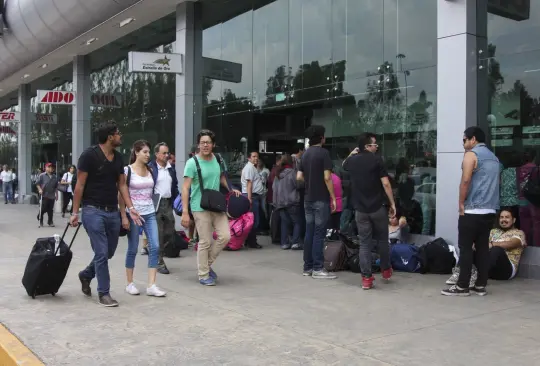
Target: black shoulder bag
(211, 200)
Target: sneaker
(144, 251)
(132, 289)
(454, 278)
(51, 224)
(85, 285)
(307, 272)
(297, 247)
(163, 269)
(323, 274)
(367, 282)
(107, 301)
(387, 274)
(212, 274)
(455, 291)
(474, 277)
(155, 291)
(207, 281)
(480, 291)
(285, 246)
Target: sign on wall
(172, 63)
(55, 97)
(15, 117)
(222, 70)
(106, 100)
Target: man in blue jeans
(315, 170)
(100, 176)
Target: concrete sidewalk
(262, 313)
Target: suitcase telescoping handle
(72, 239)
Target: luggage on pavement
(436, 257)
(240, 229)
(47, 265)
(335, 256)
(172, 248)
(275, 226)
(405, 258)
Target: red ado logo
(56, 97)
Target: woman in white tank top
(141, 190)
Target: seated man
(506, 244)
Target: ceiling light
(44, 66)
(126, 22)
(90, 41)
(25, 76)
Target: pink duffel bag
(240, 229)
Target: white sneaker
(455, 275)
(132, 289)
(155, 291)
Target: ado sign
(55, 97)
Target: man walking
(205, 165)
(315, 170)
(370, 191)
(253, 189)
(7, 178)
(100, 176)
(166, 185)
(47, 186)
(478, 203)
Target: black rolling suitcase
(47, 266)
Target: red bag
(240, 229)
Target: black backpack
(436, 257)
(531, 189)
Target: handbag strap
(199, 172)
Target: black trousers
(474, 230)
(67, 197)
(47, 206)
(500, 268)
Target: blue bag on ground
(405, 258)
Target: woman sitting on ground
(398, 229)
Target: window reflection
(347, 65)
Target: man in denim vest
(478, 203)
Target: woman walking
(67, 195)
(141, 188)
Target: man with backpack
(478, 203)
(100, 177)
(370, 191)
(166, 185)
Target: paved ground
(262, 313)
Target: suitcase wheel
(34, 296)
(53, 293)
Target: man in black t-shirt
(315, 170)
(369, 186)
(100, 176)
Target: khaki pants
(206, 223)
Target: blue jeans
(317, 215)
(8, 191)
(290, 217)
(256, 201)
(150, 228)
(103, 228)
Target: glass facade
(347, 65)
(512, 65)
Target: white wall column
(24, 146)
(81, 124)
(189, 85)
(461, 35)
